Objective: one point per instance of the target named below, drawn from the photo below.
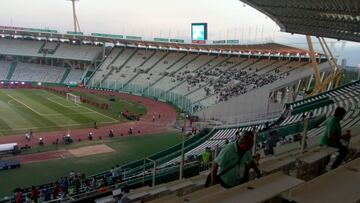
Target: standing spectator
(47, 193)
(118, 172)
(233, 162)
(206, 157)
(237, 135)
(56, 191)
(65, 186)
(72, 174)
(153, 118)
(34, 194)
(18, 195)
(270, 143)
(95, 125)
(28, 199)
(77, 183)
(93, 183)
(332, 136)
(113, 175)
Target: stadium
(97, 117)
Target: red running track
(145, 125)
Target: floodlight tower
(75, 19)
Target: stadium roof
(269, 48)
(339, 19)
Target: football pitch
(40, 110)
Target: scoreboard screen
(199, 31)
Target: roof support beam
(314, 65)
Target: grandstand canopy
(269, 48)
(338, 19)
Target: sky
(227, 19)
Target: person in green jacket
(332, 136)
(236, 159)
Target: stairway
(65, 76)
(11, 70)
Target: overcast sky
(227, 19)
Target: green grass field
(127, 149)
(40, 110)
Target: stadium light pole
(76, 22)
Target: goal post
(73, 98)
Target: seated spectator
(124, 198)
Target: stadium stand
(74, 75)
(159, 69)
(37, 73)
(285, 159)
(20, 47)
(36, 48)
(18, 71)
(325, 187)
(104, 68)
(204, 79)
(4, 69)
(77, 52)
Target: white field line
(66, 106)
(52, 114)
(24, 105)
(67, 125)
(62, 114)
(114, 120)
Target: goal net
(73, 98)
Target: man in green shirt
(236, 160)
(332, 135)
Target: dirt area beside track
(90, 150)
